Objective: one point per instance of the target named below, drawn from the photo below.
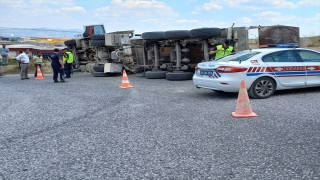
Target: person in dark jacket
(57, 66)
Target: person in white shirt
(23, 58)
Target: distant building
(34, 49)
(10, 38)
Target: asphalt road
(89, 128)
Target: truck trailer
(170, 55)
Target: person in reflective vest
(67, 61)
(222, 50)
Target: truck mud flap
(98, 68)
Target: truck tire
(205, 33)
(155, 74)
(98, 43)
(179, 76)
(98, 68)
(158, 35)
(97, 37)
(70, 42)
(177, 34)
(102, 74)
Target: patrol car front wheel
(262, 88)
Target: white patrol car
(263, 70)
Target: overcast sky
(160, 15)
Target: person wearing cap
(67, 61)
(57, 66)
(222, 50)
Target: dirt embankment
(14, 69)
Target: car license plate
(207, 73)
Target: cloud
(15, 4)
(244, 20)
(207, 7)
(74, 9)
(136, 9)
(268, 14)
(283, 4)
(316, 18)
(187, 21)
(149, 20)
(259, 5)
(60, 2)
(275, 17)
(309, 2)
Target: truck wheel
(205, 33)
(179, 76)
(70, 42)
(97, 43)
(102, 74)
(159, 35)
(97, 37)
(98, 68)
(155, 74)
(177, 34)
(262, 88)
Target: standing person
(68, 61)
(23, 58)
(19, 61)
(0, 66)
(4, 52)
(57, 66)
(222, 50)
(37, 62)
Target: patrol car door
(311, 60)
(286, 67)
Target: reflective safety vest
(68, 56)
(222, 52)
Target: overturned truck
(170, 55)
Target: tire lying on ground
(97, 43)
(98, 68)
(205, 33)
(157, 35)
(155, 74)
(179, 76)
(102, 74)
(97, 37)
(177, 34)
(70, 42)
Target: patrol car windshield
(238, 56)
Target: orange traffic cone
(243, 108)
(125, 81)
(39, 73)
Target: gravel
(89, 128)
